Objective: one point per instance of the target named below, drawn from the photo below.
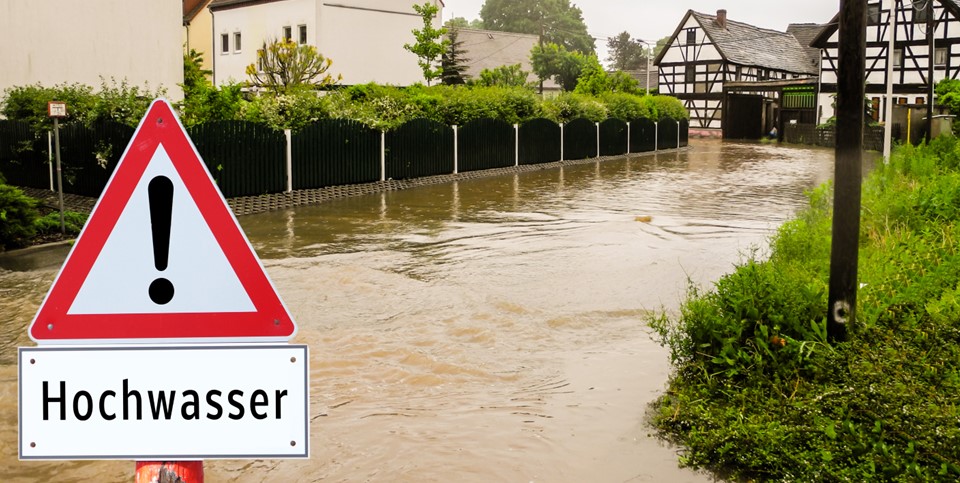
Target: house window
(287, 33)
(940, 56)
(236, 42)
(691, 36)
(690, 74)
(873, 14)
(920, 100)
(303, 33)
(224, 43)
(898, 58)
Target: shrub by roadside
(758, 392)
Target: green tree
(558, 21)
(505, 76)
(555, 62)
(429, 47)
(284, 65)
(625, 53)
(202, 101)
(453, 62)
(661, 44)
(462, 23)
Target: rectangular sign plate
(164, 403)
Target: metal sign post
(56, 110)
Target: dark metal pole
(847, 174)
(56, 141)
(932, 50)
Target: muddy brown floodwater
(490, 329)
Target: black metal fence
(826, 136)
(251, 159)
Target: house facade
(730, 75)
(911, 55)
(198, 30)
(489, 49)
(65, 41)
(363, 38)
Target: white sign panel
(164, 403)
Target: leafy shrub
(293, 109)
(628, 107)
(666, 107)
(18, 212)
(72, 222)
(569, 106)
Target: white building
(66, 41)
(363, 38)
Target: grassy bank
(758, 393)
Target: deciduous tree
(505, 76)
(428, 46)
(556, 62)
(625, 53)
(558, 21)
(283, 65)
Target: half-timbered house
(730, 75)
(911, 56)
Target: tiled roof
(748, 45)
(805, 33)
(191, 8)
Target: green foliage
(462, 23)
(559, 21)
(504, 76)
(202, 102)
(292, 109)
(284, 65)
(72, 222)
(453, 63)
(666, 107)
(948, 95)
(18, 212)
(759, 394)
(553, 61)
(626, 53)
(428, 46)
(595, 81)
(569, 106)
(119, 102)
(628, 107)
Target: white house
(66, 41)
(363, 38)
(911, 53)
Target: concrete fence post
(598, 139)
(628, 138)
(383, 155)
(678, 134)
(288, 135)
(516, 145)
(456, 150)
(656, 136)
(561, 141)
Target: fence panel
(667, 134)
(613, 137)
(23, 157)
(539, 141)
(642, 136)
(333, 152)
(419, 148)
(579, 139)
(244, 158)
(486, 144)
(89, 154)
(684, 133)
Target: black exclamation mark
(160, 192)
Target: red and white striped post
(169, 472)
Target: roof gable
(749, 45)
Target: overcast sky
(653, 19)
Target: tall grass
(758, 392)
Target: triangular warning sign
(162, 256)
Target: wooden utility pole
(844, 252)
(931, 25)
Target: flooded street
(489, 329)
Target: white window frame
(898, 58)
(286, 33)
(237, 42)
(940, 55)
(302, 34)
(224, 44)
